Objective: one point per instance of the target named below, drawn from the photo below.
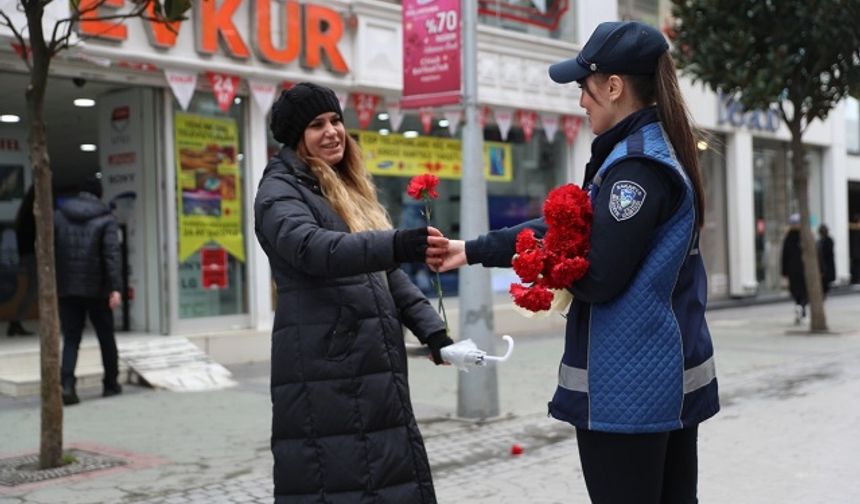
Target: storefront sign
(213, 268)
(224, 88)
(306, 33)
(395, 155)
(209, 206)
(431, 53)
(731, 111)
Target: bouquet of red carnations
(552, 263)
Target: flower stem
(438, 282)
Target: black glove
(436, 341)
(410, 245)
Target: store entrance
(94, 128)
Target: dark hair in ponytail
(663, 89)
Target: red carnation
(529, 265)
(567, 271)
(534, 298)
(423, 186)
(526, 240)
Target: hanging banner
(398, 156)
(365, 106)
(182, 84)
(571, 125)
(503, 120)
(528, 120)
(209, 203)
(426, 116)
(453, 117)
(263, 93)
(550, 125)
(342, 99)
(395, 114)
(431, 53)
(224, 88)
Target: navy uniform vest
(649, 363)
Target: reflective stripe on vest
(576, 379)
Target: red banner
(431, 53)
(224, 87)
(213, 268)
(365, 107)
(528, 120)
(571, 125)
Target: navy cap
(615, 47)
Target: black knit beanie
(297, 107)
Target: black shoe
(111, 390)
(15, 327)
(70, 397)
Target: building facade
(177, 126)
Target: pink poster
(431, 53)
(224, 87)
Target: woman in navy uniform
(637, 375)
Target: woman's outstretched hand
(455, 256)
(437, 247)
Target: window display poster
(209, 204)
(396, 155)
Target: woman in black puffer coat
(343, 429)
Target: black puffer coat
(343, 430)
(87, 248)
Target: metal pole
(477, 391)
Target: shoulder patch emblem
(625, 199)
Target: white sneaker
(799, 313)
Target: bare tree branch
(7, 21)
(58, 44)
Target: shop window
(554, 20)
(646, 11)
(210, 209)
(775, 201)
(714, 238)
(852, 125)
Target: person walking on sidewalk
(637, 375)
(25, 234)
(792, 268)
(88, 282)
(343, 429)
(826, 263)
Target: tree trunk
(51, 444)
(811, 271)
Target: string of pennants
(226, 86)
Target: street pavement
(787, 432)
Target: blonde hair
(347, 186)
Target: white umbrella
(464, 354)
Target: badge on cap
(625, 199)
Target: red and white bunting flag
(426, 115)
(528, 121)
(571, 125)
(395, 114)
(263, 93)
(453, 117)
(483, 116)
(365, 106)
(224, 88)
(503, 120)
(342, 96)
(550, 125)
(182, 84)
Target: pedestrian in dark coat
(86, 243)
(792, 268)
(343, 429)
(826, 263)
(637, 375)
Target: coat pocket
(341, 337)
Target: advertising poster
(121, 161)
(395, 155)
(431, 53)
(209, 206)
